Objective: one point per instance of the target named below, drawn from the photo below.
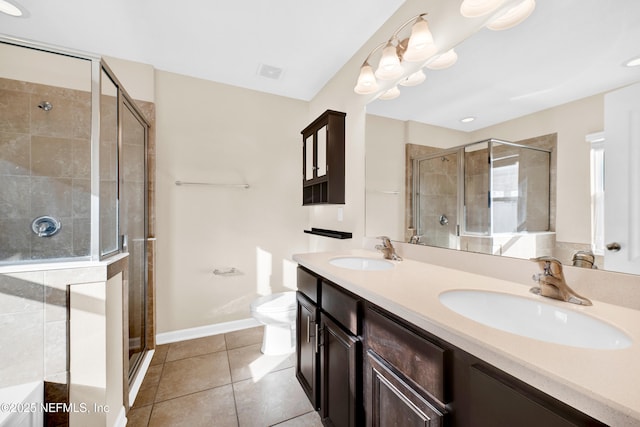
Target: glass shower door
(436, 195)
(133, 227)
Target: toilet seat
(285, 301)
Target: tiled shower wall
(45, 165)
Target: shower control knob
(45, 226)
(614, 247)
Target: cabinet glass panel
(322, 151)
(308, 156)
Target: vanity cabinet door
(500, 400)
(421, 361)
(340, 366)
(390, 401)
(307, 348)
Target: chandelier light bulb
(389, 66)
(420, 46)
(366, 81)
(10, 9)
(444, 60)
(413, 79)
(513, 16)
(392, 93)
(476, 8)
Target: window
(597, 192)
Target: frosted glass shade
(367, 82)
(389, 67)
(444, 60)
(476, 8)
(420, 46)
(414, 79)
(392, 93)
(513, 16)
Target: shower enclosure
(482, 197)
(73, 166)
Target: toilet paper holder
(229, 271)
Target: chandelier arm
(403, 26)
(375, 49)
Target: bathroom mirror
(547, 76)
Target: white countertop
(604, 384)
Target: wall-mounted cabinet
(323, 160)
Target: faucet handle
(550, 265)
(386, 241)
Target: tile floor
(222, 380)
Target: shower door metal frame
(125, 100)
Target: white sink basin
(535, 319)
(361, 263)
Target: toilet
(278, 313)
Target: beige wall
(209, 132)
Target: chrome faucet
(552, 284)
(387, 249)
(414, 239)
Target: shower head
(45, 105)
(444, 159)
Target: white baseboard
(205, 331)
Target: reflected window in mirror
(597, 192)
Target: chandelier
(419, 47)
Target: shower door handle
(125, 242)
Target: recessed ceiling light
(634, 62)
(467, 119)
(10, 8)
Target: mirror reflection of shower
(482, 197)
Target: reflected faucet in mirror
(552, 283)
(387, 249)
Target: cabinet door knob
(614, 247)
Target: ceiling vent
(269, 71)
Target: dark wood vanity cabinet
(416, 377)
(341, 375)
(361, 365)
(329, 349)
(323, 159)
(306, 349)
(405, 374)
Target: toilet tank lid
(282, 301)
